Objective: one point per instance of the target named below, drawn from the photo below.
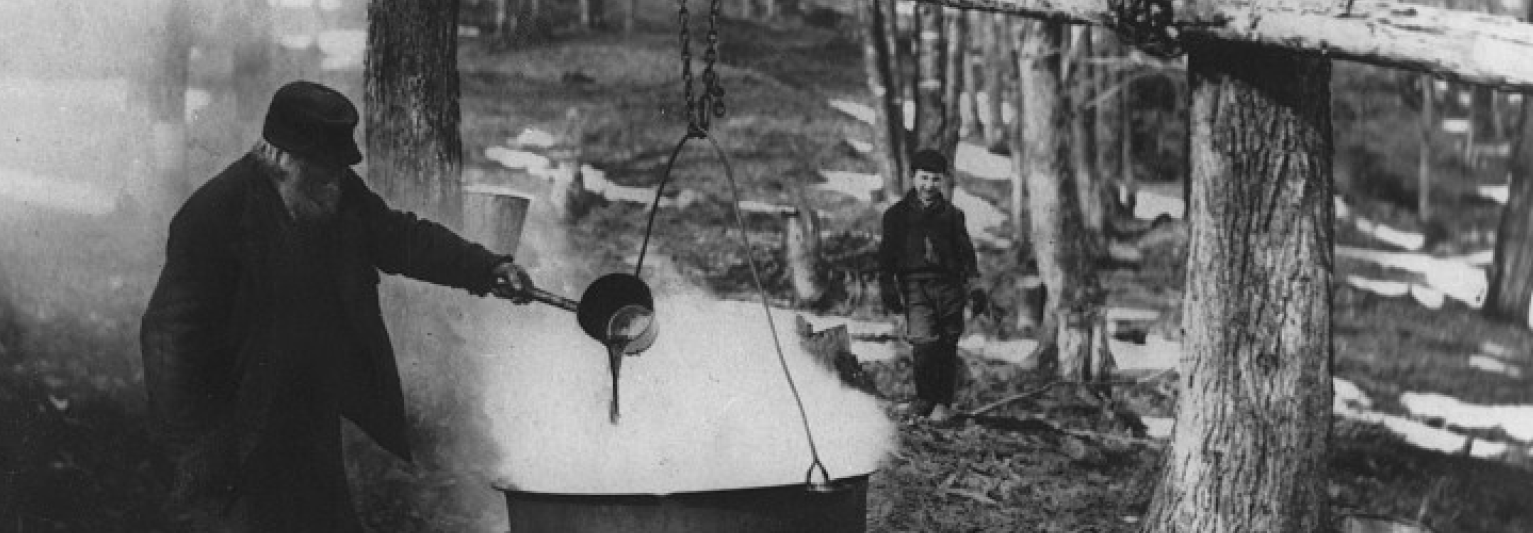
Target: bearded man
(265, 328)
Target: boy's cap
(313, 122)
(930, 161)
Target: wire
(750, 258)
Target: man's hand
(512, 283)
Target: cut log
(1490, 50)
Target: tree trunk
(631, 16)
(1071, 341)
(882, 62)
(1125, 127)
(955, 62)
(414, 148)
(934, 126)
(1511, 279)
(1424, 155)
(1017, 67)
(997, 60)
(1249, 449)
(1511, 276)
(1082, 83)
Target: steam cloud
(706, 408)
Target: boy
(926, 262)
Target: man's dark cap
(313, 122)
(930, 161)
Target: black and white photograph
(766, 266)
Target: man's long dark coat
(209, 326)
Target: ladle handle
(552, 299)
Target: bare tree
(1073, 338)
(881, 58)
(1249, 449)
(996, 61)
(411, 97)
(936, 120)
(1511, 276)
(1080, 78)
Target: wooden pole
(1491, 50)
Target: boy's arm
(968, 260)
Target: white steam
(706, 408)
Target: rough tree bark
(414, 149)
(1072, 341)
(880, 57)
(1249, 449)
(1511, 278)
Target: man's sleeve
(402, 243)
(888, 259)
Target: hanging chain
(686, 60)
(701, 109)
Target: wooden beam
(1490, 50)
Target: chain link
(686, 60)
(701, 109)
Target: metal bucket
(780, 509)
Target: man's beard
(309, 198)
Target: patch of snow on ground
(1454, 278)
(1015, 351)
(1348, 395)
(533, 137)
(1157, 353)
(1150, 204)
(856, 110)
(516, 158)
(1403, 239)
(979, 215)
(980, 163)
(861, 147)
(1497, 193)
(1392, 289)
(1515, 420)
(1421, 435)
(1494, 366)
(1158, 427)
(855, 184)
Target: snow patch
(979, 216)
(1014, 351)
(533, 137)
(980, 163)
(1494, 366)
(1347, 395)
(1496, 193)
(861, 112)
(1454, 278)
(1158, 427)
(1149, 205)
(1515, 420)
(855, 184)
